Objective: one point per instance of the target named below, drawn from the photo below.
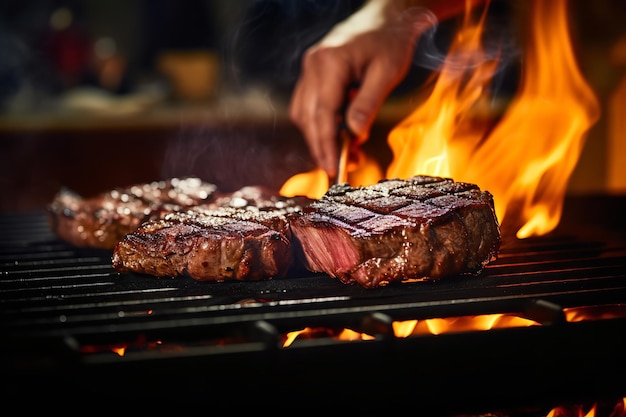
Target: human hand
(372, 48)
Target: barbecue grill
(72, 326)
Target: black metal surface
(64, 309)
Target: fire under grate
(68, 316)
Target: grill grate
(48, 283)
(64, 308)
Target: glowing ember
(526, 157)
(601, 312)
(571, 411)
(578, 410)
(119, 350)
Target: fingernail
(359, 123)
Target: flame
(572, 411)
(524, 157)
(291, 336)
(314, 183)
(578, 410)
(595, 312)
(349, 334)
(318, 332)
(120, 350)
(406, 328)
(424, 142)
(436, 326)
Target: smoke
(235, 154)
(499, 43)
(11, 53)
(260, 64)
(14, 67)
(266, 47)
(27, 79)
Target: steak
(101, 221)
(209, 243)
(398, 230)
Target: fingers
(316, 101)
(378, 80)
(377, 58)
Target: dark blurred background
(99, 94)
(51, 46)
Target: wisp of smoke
(498, 43)
(234, 156)
(268, 44)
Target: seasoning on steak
(101, 221)
(214, 243)
(396, 230)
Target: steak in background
(103, 220)
(420, 228)
(248, 242)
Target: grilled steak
(103, 220)
(208, 243)
(420, 228)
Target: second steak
(211, 244)
(420, 228)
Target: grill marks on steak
(420, 228)
(396, 230)
(101, 221)
(213, 243)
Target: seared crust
(207, 243)
(420, 228)
(103, 220)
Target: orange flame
(436, 326)
(595, 312)
(481, 322)
(524, 158)
(424, 142)
(120, 350)
(315, 183)
(318, 332)
(406, 328)
(312, 184)
(579, 410)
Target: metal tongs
(345, 137)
